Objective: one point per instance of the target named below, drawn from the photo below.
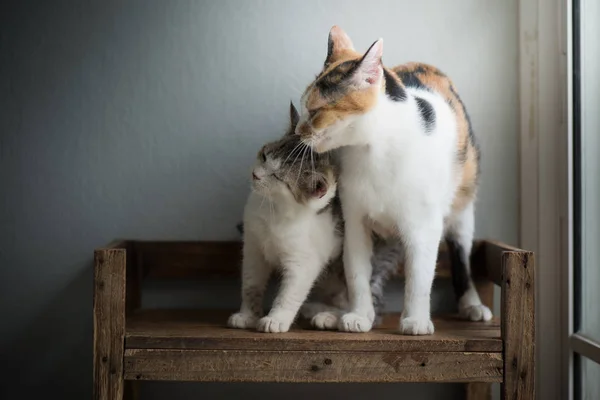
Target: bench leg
(518, 325)
(480, 390)
(109, 323)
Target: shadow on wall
(54, 353)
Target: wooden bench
(133, 344)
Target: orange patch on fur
(326, 111)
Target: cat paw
(242, 321)
(273, 325)
(353, 322)
(416, 326)
(476, 313)
(325, 321)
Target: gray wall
(140, 119)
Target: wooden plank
(493, 262)
(206, 330)
(109, 323)
(518, 325)
(310, 366)
(194, 260)
(134, 280)
(189, 260)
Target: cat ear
(294, 118)
(320, 188)
(370, 69)
(338, 41)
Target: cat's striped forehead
(332, 82)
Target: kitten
(293, 222)
(329, 298)
(409, 169)
(290, 225)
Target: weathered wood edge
(518, 325)
(306, 366)
(109, 323)
(230, 253)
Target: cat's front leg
(298, 278)
(255, 275)
(421, 240)
(358, 249)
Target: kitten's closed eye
(263, 156)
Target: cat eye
(312, 113)
(263, 157)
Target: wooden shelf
(206, 330)
(132, 344)
(205, 260)
(197, 346)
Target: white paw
(273, 325)
(352, 322)
(325, 320)
(476, 313)
(242, 321)
(416, 326)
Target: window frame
(549, 134)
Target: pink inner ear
(320, 190)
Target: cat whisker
(295, 158)
(301, 162)
(312, 161)
(292, 152)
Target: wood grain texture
(109, 322)
(305, 366)
(205, 330)
(492, 262)
(518, 325)
(205, 260)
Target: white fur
(396, 179)
(280, 233)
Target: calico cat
(409, 169)
(293, 225)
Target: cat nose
(254, 177)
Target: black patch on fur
(427, 113)
(410, 79)
(458, 264)
(393, 89)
